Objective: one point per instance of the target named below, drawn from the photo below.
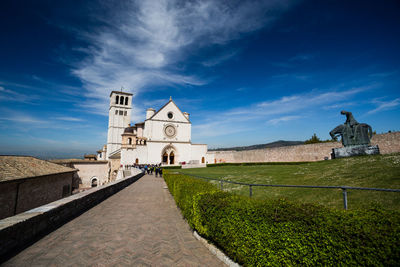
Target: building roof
(129, 129)
(120, 92)
(170, 101)
(90, 156)
(66, 161)
(21, 167)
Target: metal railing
(342, 187)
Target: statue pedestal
(351, 151)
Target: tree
(313, 140)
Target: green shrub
(171, 167)
(278, 232)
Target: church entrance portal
(168, 156)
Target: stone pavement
(138, 226)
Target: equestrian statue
(352, 132)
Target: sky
(248, 72)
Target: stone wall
(19, 231)
(114, 166)
(25, 194)
(7, 199)
(388, 143)
(90, 170)
(87, 171)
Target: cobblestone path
(139, 226)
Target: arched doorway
(203, 160)
(168, 155)
(165, 158)
(94, 182)
(137, 161)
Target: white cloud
(283, 119)
(294, 103)
(287, 108)
(383, 74)
(302, 57)
(142, 42)
(219, 59)
(384, 105)
(21, 118)
(69, 119)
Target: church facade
(163, 137)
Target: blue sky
(248, 72)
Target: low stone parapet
(189, 166)
(19, 231)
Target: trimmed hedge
(171, 167)
(278, 232)
(256, 163)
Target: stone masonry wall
(42, 190)
(388, 143)
(16, 232)
(32, 193)
(7, 199)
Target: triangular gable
(170, 106)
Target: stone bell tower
(119, 117)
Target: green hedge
(171, 167)
(256, 163)
(264, 232)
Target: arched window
(130, 141)
(165, 158)
(117, 99)
(94, 182)
(202, 160)
(126, 101)
(121, 101)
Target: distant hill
(279, 143)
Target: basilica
(163, 137)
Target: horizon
(248, 72)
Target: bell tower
(119, 117)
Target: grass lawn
(379, 171)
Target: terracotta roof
(21, 167)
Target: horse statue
(352, 132)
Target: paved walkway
(139, 226)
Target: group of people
(148, 168)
